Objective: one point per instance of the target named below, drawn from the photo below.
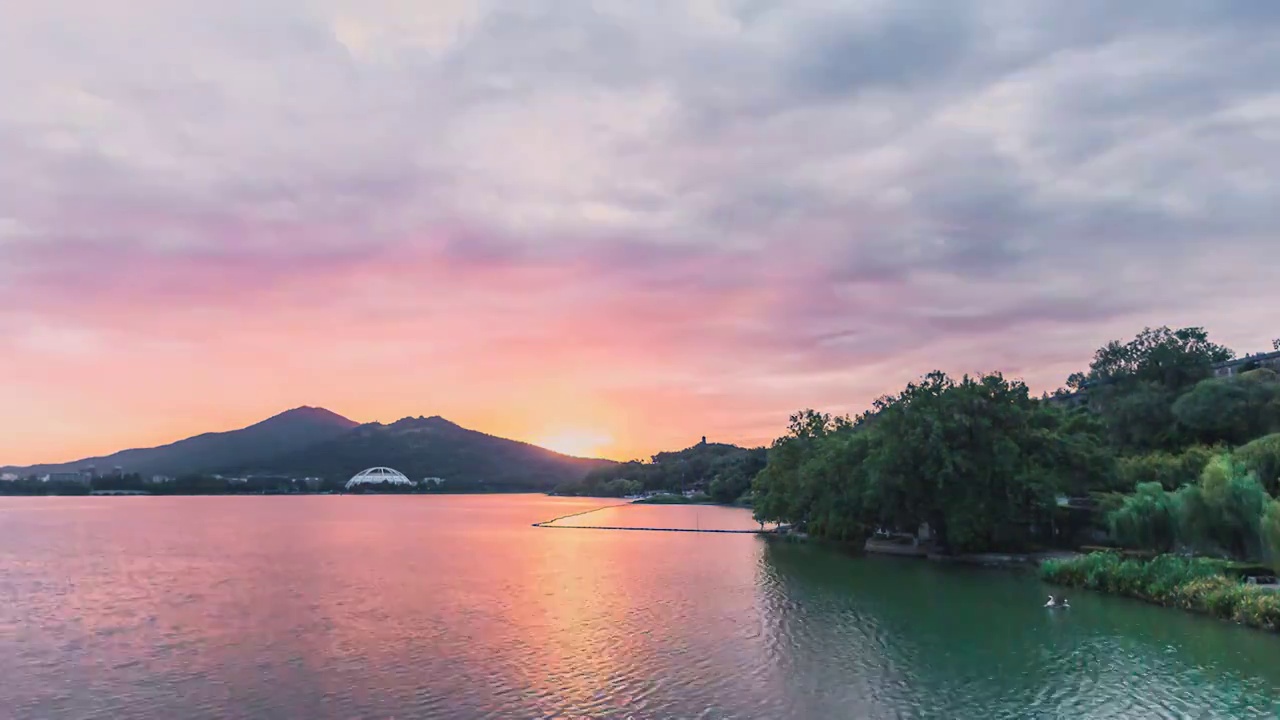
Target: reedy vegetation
(1198, 584)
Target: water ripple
(255, 608)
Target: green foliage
(1170, 359)
(1133, 386)
(1170, 470)
(1197, 584)
(733, 474)
(1138, 415)
(724, 471)
(1262, 457)
(1223, 513)
(1270, 531)
(1147, 519)
(1232, 409)
(979, 460)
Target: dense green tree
(1170, 470)
(1232, 409)
(1139, 416)
(979, 460)
(1146, 519)
(1223, 512)
(1262, 457)
(781, 491)
(968, 458)
(732, 474)
(1271, 533)
(727, 468)
(1173, 359)
(1133, 385)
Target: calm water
(454, 607)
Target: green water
(454, 607)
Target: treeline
(196, 484)
(191, 484)
(724, 472)
(984, 463)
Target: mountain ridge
(316, 442)
(298, 426)
(436, 447)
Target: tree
(1139, 416)
(1223, 512)
(1173, 359)
(732, 474)
(1262, 458)
(1271, 533)
(1232, 410)
(1146, 519)
(1170, 471)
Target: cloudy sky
(642, 221)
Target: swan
(1051, 603)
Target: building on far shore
(1268, 361)
(9, 477)
(68, 477)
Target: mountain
(433, 447)
(287, 432)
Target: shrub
(1146, 519)
(1262, 457)
(1171, 470)
(1270, 531)
(1224, 512)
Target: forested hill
(722, 471)
(290, 430)
(433, 447)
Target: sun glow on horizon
(577, 442)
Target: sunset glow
(659, 222)
(578, 443)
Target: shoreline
(1200, 585)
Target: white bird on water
(1051, 603)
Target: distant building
(118, 471)
(379, 476)
(9, 477)
(313, 483)
(161, 479)
(433, 481)
(1269, 361)
(68, 477)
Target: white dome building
(379, 476)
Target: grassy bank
(1197, 584)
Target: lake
(455, 607)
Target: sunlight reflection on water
(455, 607)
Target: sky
(630, 223)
